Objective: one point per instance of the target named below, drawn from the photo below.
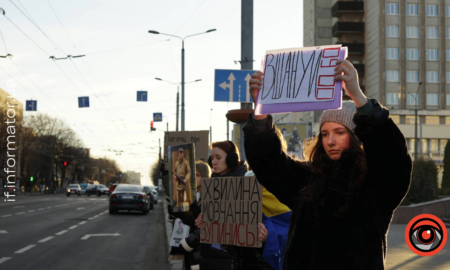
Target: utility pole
(160, 149)
(246, 56)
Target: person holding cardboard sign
(356, 173)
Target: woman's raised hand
(198, 221)
(263, 233)
(256, 83)
(350, 81)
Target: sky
(121, 57)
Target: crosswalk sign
(157, 117)
(83, 102)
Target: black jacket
(318, 239)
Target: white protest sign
(179, 232)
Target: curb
(174, 265)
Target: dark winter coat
(317, 238)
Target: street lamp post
(178, 94)
(182, 68)
(415, 121)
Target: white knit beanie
(343, 116)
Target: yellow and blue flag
(276, 218)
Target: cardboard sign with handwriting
(232, 209)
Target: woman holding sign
(343, 197)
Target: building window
(412, 9)
(392, 8)
(392, 31)
(412, 54)
(396, 119)
(412, 98)
(432, 32)
(424, 146)
(447, 32)
(432, 10)
(442, 145)
(447, 120)
(413, 31)
(412, 145)
(410, 119)
(447, 99)
(447, 55)
(432, 120)
(434, 144)
(392, 53)
(392, 75)
(447, 77)
(447, 11)
(433, 99)
(392, 98)
(412, 76)
(432, 76)
(432, 54)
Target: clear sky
(122, 57)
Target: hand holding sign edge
(255, 86)
(350, 81)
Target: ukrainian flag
(276, 218)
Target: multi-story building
(400, 50)
(134, 177)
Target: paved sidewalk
(400, 257)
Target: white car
(155, 194)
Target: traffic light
(31, 178)
(151, 126)
(65, 163)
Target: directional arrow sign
(31, 105)
(83, 102)
(141, 95)
(102, 234)
(232, 85)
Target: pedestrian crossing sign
(157, 117)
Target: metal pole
(178, 104)
(246, 55)
(228, 130)
(167, 126)
(182, 86)
(160, 149)
(415, 135)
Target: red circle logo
(426, 235)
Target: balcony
(354, 48)
(346, 7)
(360, 68)
(340, 28)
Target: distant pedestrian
(343, 197)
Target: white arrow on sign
(226, 85)
(102, 234)
(247, 79)
(3, 231)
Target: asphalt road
(52, 232)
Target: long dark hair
(319, 162)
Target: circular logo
(426, 235)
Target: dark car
(73, 189)
(98, 190)
(112, 188)
(129, 197)
(154, 194)
(150, 196)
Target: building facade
(401, 50)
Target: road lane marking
(102, 234)
(95, 216)
(73, 227)
(49, 207)
(6, 215)
(31, 211)
(41, 209)
(4, 259)
(80, 208)
(62, 232)
(82, 222)
(46, 239)
(25, 249)
(18, 206)
(3, 231)
(20, 213)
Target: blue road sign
(232, 85)
(31, 105)
(141, 95)
(83, 102)
(157, 117)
